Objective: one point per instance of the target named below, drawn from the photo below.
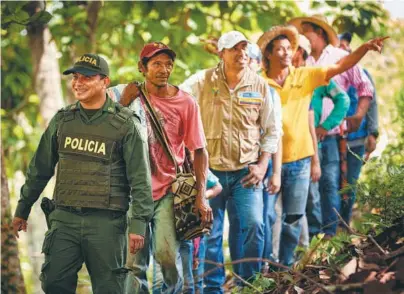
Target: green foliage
(260, 284)
(394, 152)
(20, 135)
(15, 12)
(124, 27)
(382, 193)
(16, 70)
(322, 251)
(365, 18)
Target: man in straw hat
(362, 142)
(340, 100)
(242, 123)
(295, 86)
(324, 42)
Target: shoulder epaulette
(121, 116)
(69, 107)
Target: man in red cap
(179, 115)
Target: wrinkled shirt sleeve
(115, 92)
(341, 104)
(40, 170)
(360, 81)
(194, 84)
(271, 121)
(136, 156)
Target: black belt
(77, 209)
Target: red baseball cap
(151, 49)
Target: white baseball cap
(305, 44)
(230, 39)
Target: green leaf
(245, 23)
(21, 16)
(41, 17)
(200, 19)
(332, 3)
(15, 6)
(264, 21)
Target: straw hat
(289, 31)
(319, 20)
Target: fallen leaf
(298, 290)
(349, 269)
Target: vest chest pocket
(249, 104)
(212, 119)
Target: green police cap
(89, 65)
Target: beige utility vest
(231, 119)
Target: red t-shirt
(180, 117)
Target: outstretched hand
(376, 44)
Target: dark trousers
(94, 237)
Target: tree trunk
(47, 78)
(92, 21)
(47, 81)
(12, 280)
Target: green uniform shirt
(341, 104)
(135, 154)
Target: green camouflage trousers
(95, 237)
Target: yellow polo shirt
(296, 95)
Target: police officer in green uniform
(103, 169)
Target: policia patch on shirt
(249, 98)
(86, 145)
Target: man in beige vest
(241, 117)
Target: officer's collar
(107, 107)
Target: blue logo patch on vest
(86, 145)
(249, 98)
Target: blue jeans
(269, 215)
(199, 272)
(161, 238)
(294, 189)
(246, 235)
(313, 209)
(354, 170)
(186, 252)
(329, 184)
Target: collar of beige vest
(248, 79)
(274, 84)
